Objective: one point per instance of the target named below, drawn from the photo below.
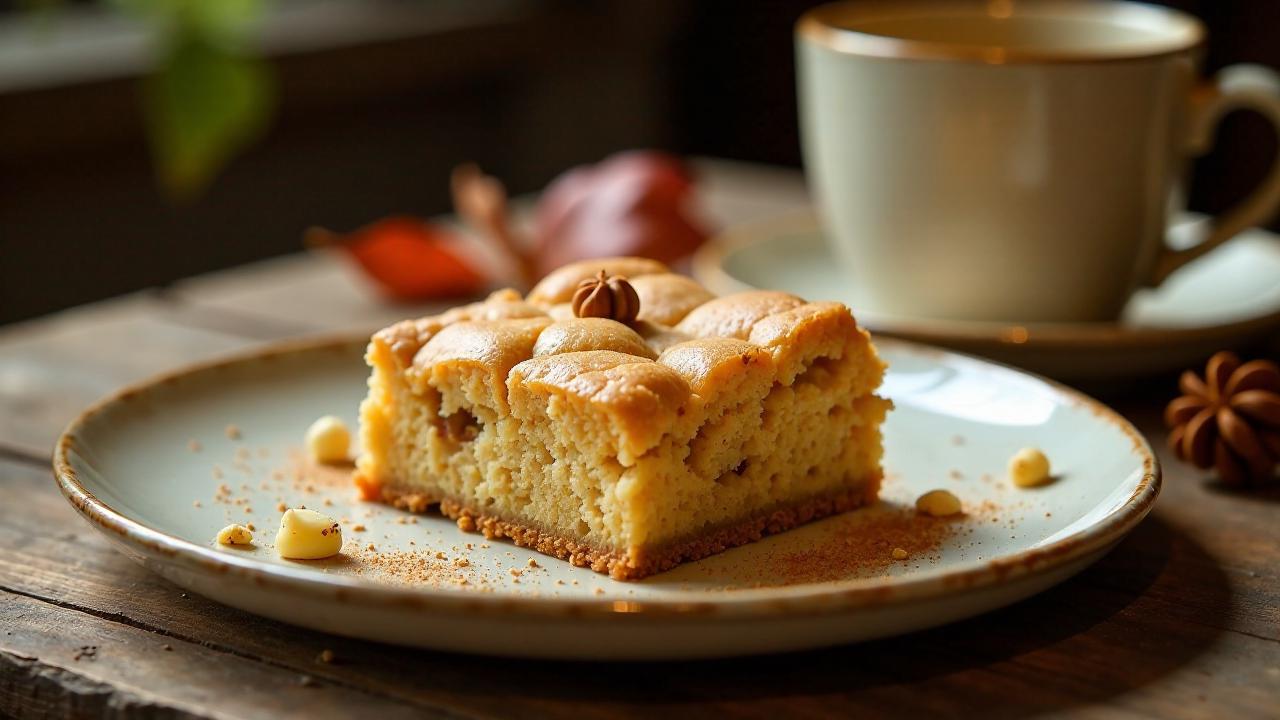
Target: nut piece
(1029, 467)
(235, 535)
(308, 535)
(938, 503)
(606, 297)
(328, 440)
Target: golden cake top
(684, 346)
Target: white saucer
(1225, 300)
(146, 466)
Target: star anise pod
(1229, 420)
(606, 296)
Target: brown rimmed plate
(160, 467)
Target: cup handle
(1238, 87)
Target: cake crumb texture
(628, 448)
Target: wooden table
(1181, 620)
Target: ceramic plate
(1225, 300)
(161, 467)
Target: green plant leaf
(204, 103)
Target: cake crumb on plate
(939, 503)
(1029, 467)
(235, 535)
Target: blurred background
(142, 141)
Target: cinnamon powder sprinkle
(864, 543)
(417, 568)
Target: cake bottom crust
(646, 561)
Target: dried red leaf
(634, 203)
(407, 258)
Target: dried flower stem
(481, 201)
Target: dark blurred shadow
(1090, 620)
(1267, 494)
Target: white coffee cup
(1008, 160)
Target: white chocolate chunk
(1029, 467)
(938, 503)
(235, 535)
(328, 440)
(308, 535)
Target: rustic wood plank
(1179, 621)
(303, 293)
(1182, 620)
(56, 662)
(52, 368)
(1235, 530)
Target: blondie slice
(674, 427)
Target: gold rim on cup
(835, 26)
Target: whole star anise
(606, 296)
(1229, 420)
